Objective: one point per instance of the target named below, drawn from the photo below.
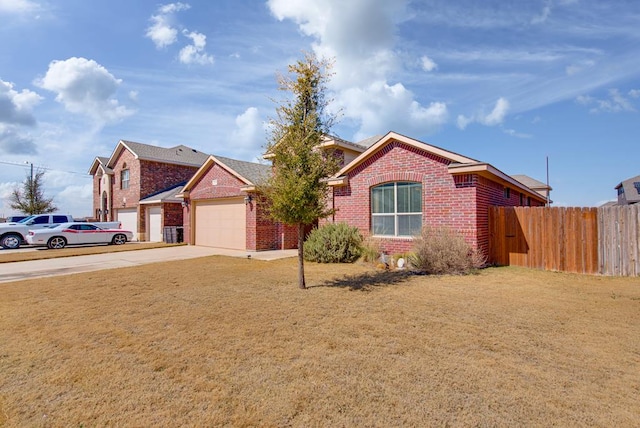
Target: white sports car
(77, 233)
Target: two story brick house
(137, 185)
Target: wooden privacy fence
(582, 240)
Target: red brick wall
(126, 198)
(226, 185)
(172, 215)
(156, 176)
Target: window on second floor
(124, 179)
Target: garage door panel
(221, 224)
(155, 224)
(129, 220)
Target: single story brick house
(399, 184)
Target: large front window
(396, 209)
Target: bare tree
(31, 199)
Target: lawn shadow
(367, 281)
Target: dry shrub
(439, 251)
(370, 250)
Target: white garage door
(221, 224)
(155, 224)
(129, 219)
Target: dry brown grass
(41, 253)
(219, 341)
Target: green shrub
(333, 243)
(440, 251)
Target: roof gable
(100, 162)
(395, 137)
(249, 173)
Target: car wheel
(57, 242)
(119, 239)
(11, 241)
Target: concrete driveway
(68, 265)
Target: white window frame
(396, 215)
(123, 181)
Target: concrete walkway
(17, 271)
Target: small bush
(444, 251)
(333, 243)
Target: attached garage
(154, 224)
(221, 223)
(129, 220)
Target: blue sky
(508, 82)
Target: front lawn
(227, 341)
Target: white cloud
(516, 134)
(380, 108)
(18, 6)
(16, 107)
(84, 86)
(76, 199)
(544, 15)
(495, 117)
(361, 36)
(428, 64)
(576, 68)
(194, 53)
(15, 113)
(250, 131)
(498, 113)
(162, 32)
(615, 103)
(13, 142)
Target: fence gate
(562, 239)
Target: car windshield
(24, 220)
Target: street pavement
(17, 271)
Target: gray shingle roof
(167, 195)
(368, 142)
(176, 155)
(254, 172)
(531, 183)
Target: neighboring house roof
(178, 155)
(459, 164)
(531, 183)
(331, 141)
(631, 188)
(250, 173)
(368, 142)
(609, 204)
(168, 195)
(100, 162)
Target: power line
(44, 168)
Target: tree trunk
(301, 281)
